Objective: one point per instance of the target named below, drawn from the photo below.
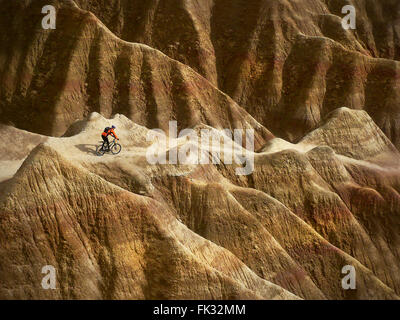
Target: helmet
(113, 127)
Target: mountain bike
(115, 148)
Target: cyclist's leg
(105, 141)
(108, 143)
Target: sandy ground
(9, 168)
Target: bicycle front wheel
(116, 148)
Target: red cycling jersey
(110, 132)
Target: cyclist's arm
(114, 135)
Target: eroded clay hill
(49, 79)
(117, 227)
(325, 190)
(108, 243)
(288, 63)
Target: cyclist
(108, 132)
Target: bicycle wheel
(116, 148)
(99, 150)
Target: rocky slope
(61, 75)
(288, 63)
(108, 243)
(325, 188)
(117, 227)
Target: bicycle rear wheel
(116, 148)
(100, 150)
